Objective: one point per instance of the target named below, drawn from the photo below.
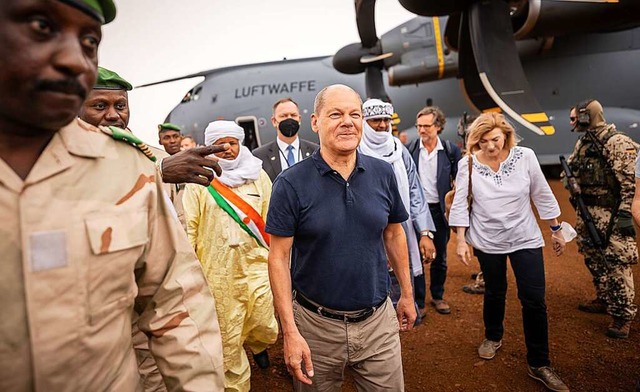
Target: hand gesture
(192, 165)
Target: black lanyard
(285, 158)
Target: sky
(154, 40)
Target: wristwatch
(426, 233)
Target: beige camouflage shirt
(86, 235)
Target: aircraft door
(251, 133)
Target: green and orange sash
(240, 211)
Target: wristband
(555, 229)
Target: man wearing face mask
(288, 149)
(603, 165)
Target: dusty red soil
(440, 354)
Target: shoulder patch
(129, 138)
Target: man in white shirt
(437, 163)
(288, 149)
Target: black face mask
(289, 127)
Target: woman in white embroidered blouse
(500, 224)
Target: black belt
(355, 316)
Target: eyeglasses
(573, 118)
(426, 126)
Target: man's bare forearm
(280, 278)
(395, 243)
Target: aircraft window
(192, 95)
(251, 133)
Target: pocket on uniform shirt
(117, 240)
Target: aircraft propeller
(488, 62)
(366, 56)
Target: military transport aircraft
(531, 59)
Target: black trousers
(438, 267)
(528, 268)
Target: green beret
(102, 10)
(109, 80)
(168, 127)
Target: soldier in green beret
(87, 235)
(108, 105)
(108, 102)
(170, 136)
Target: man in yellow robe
(225, 225)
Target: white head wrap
(381, 145)
(245, 168)
(222, 128)
(375, 108)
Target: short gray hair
(318, 103)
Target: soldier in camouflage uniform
(603, 164)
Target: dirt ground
(440, 354)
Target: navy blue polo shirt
(338, 256)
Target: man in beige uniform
(87, 233)
(108, 105)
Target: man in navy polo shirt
(340, 215)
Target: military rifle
(581, 208)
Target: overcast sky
(152, 40)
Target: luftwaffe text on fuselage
(276, 88)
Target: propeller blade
(435, 7)
(365, 19)
(374, 83)
(370, 58)
(472, 86)
(499, 66)
(452, 31)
